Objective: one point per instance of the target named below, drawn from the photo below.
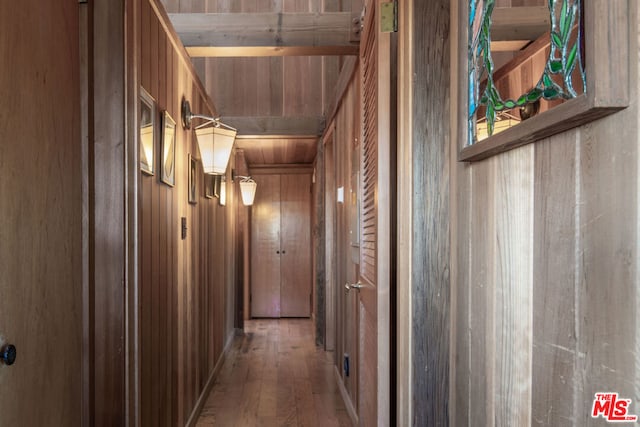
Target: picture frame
(192, 189)
(209, 186)
(147, 132)
(168, 150)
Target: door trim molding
(404, 216)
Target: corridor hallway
(274, 375)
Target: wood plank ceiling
(271, 67)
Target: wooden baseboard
(345, 397)
(197, 409)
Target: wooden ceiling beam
(267, 34)
(276, 125)
(260, 51)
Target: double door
(281, 246)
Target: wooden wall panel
(42, 223)
(184, 283)
(109, 211)
(554, 283)
(430, 222)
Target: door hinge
(389, 17)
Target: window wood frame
(606, 33)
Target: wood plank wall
(546, 291)
(186, 286)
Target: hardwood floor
(274, 375)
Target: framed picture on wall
(193, 188)
(147, 131)
(168, 150)
(209, 184)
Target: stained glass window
(495, 103)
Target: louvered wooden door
(375, 261)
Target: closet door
(265, 248)
(295, 264)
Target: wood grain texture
(109, 212)
(260, 151)
(265, 248)
(295, 246)
(41, 220)
(264, 29)
(554, 301)
(514, 286)
(275, 375)
(430, 275)
(481, 291)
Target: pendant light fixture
(248, 190)
(215, 140)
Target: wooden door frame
(404, 375)
(110, 189)
(385, 206)
(330, 241)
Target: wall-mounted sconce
(223, 191)
(247, 189)
(215, 140)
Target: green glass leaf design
(522, 100)
(499, 106)
(509, 104)
(571, 58)
(547, 80)
(566, 26)
(491, 118)
(557, 40)
(555, 66)
(550, 93)
(534, 95)
(563, 17)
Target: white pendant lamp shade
(215, 148)
(248, 191)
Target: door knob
(278, 252)
(349, 286)
(8, 354)
(284, 252)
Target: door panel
(40, 215)
(374, 398)
(265, 248)
(367, 307)
(295, 246)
